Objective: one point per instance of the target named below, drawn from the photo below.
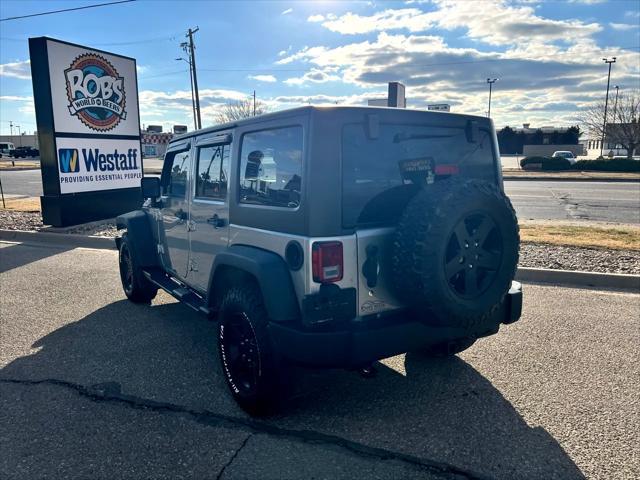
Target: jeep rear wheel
(456, 252)
(246, 353)
(136, 286)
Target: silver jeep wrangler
(329, 237)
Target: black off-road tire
(455, 252)
(249, 362)
(136, 286)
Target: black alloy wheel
(473, 254)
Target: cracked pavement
(92, 386)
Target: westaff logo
(68, 160)
(95, 92)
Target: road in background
(617, 202)
(533, 200)
(22, 182)
(92, 385)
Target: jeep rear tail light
(326, 259)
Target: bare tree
(232, 112)
(623, 121)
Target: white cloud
(497, 22)
(263, 78)
(20, 70)
(623, 26)
(632, 14)
(314, 76)
(282, 53)
(15, 98)
(538, 80)
(287, 11)
(411, 19)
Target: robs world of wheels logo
(96, 92)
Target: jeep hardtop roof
(400, 112)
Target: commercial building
(21, 140)
(154, 141)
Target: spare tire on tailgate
(455, 251)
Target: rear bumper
(367, 340)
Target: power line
(64, 10)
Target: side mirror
(150, 187)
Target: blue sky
(547, 54)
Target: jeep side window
(212, 172)
(174, 174)
(271, 167)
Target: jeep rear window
(374, 189)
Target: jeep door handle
(216, 221)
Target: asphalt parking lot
(92, 386)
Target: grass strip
(605, 237)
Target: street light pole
(490, 81)
(606, 102)
(193, 101)
(615, 104)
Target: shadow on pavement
(442, 410)
(20, 254)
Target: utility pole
(606, 102)
(192, 55)
(11, 127)
(254, 103)
(490, 81)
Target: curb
(59, 239)
(575, 278)
(567, 179)
(565, 278)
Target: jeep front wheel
(246, 353)
(136, 286)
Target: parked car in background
(5, 148)
(24, 152)
(565, 154)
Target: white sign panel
(87, 164)
(92, 91)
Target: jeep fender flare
(140, 237)
(270, 272)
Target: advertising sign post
(88, 121)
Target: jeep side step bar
(177, 290)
